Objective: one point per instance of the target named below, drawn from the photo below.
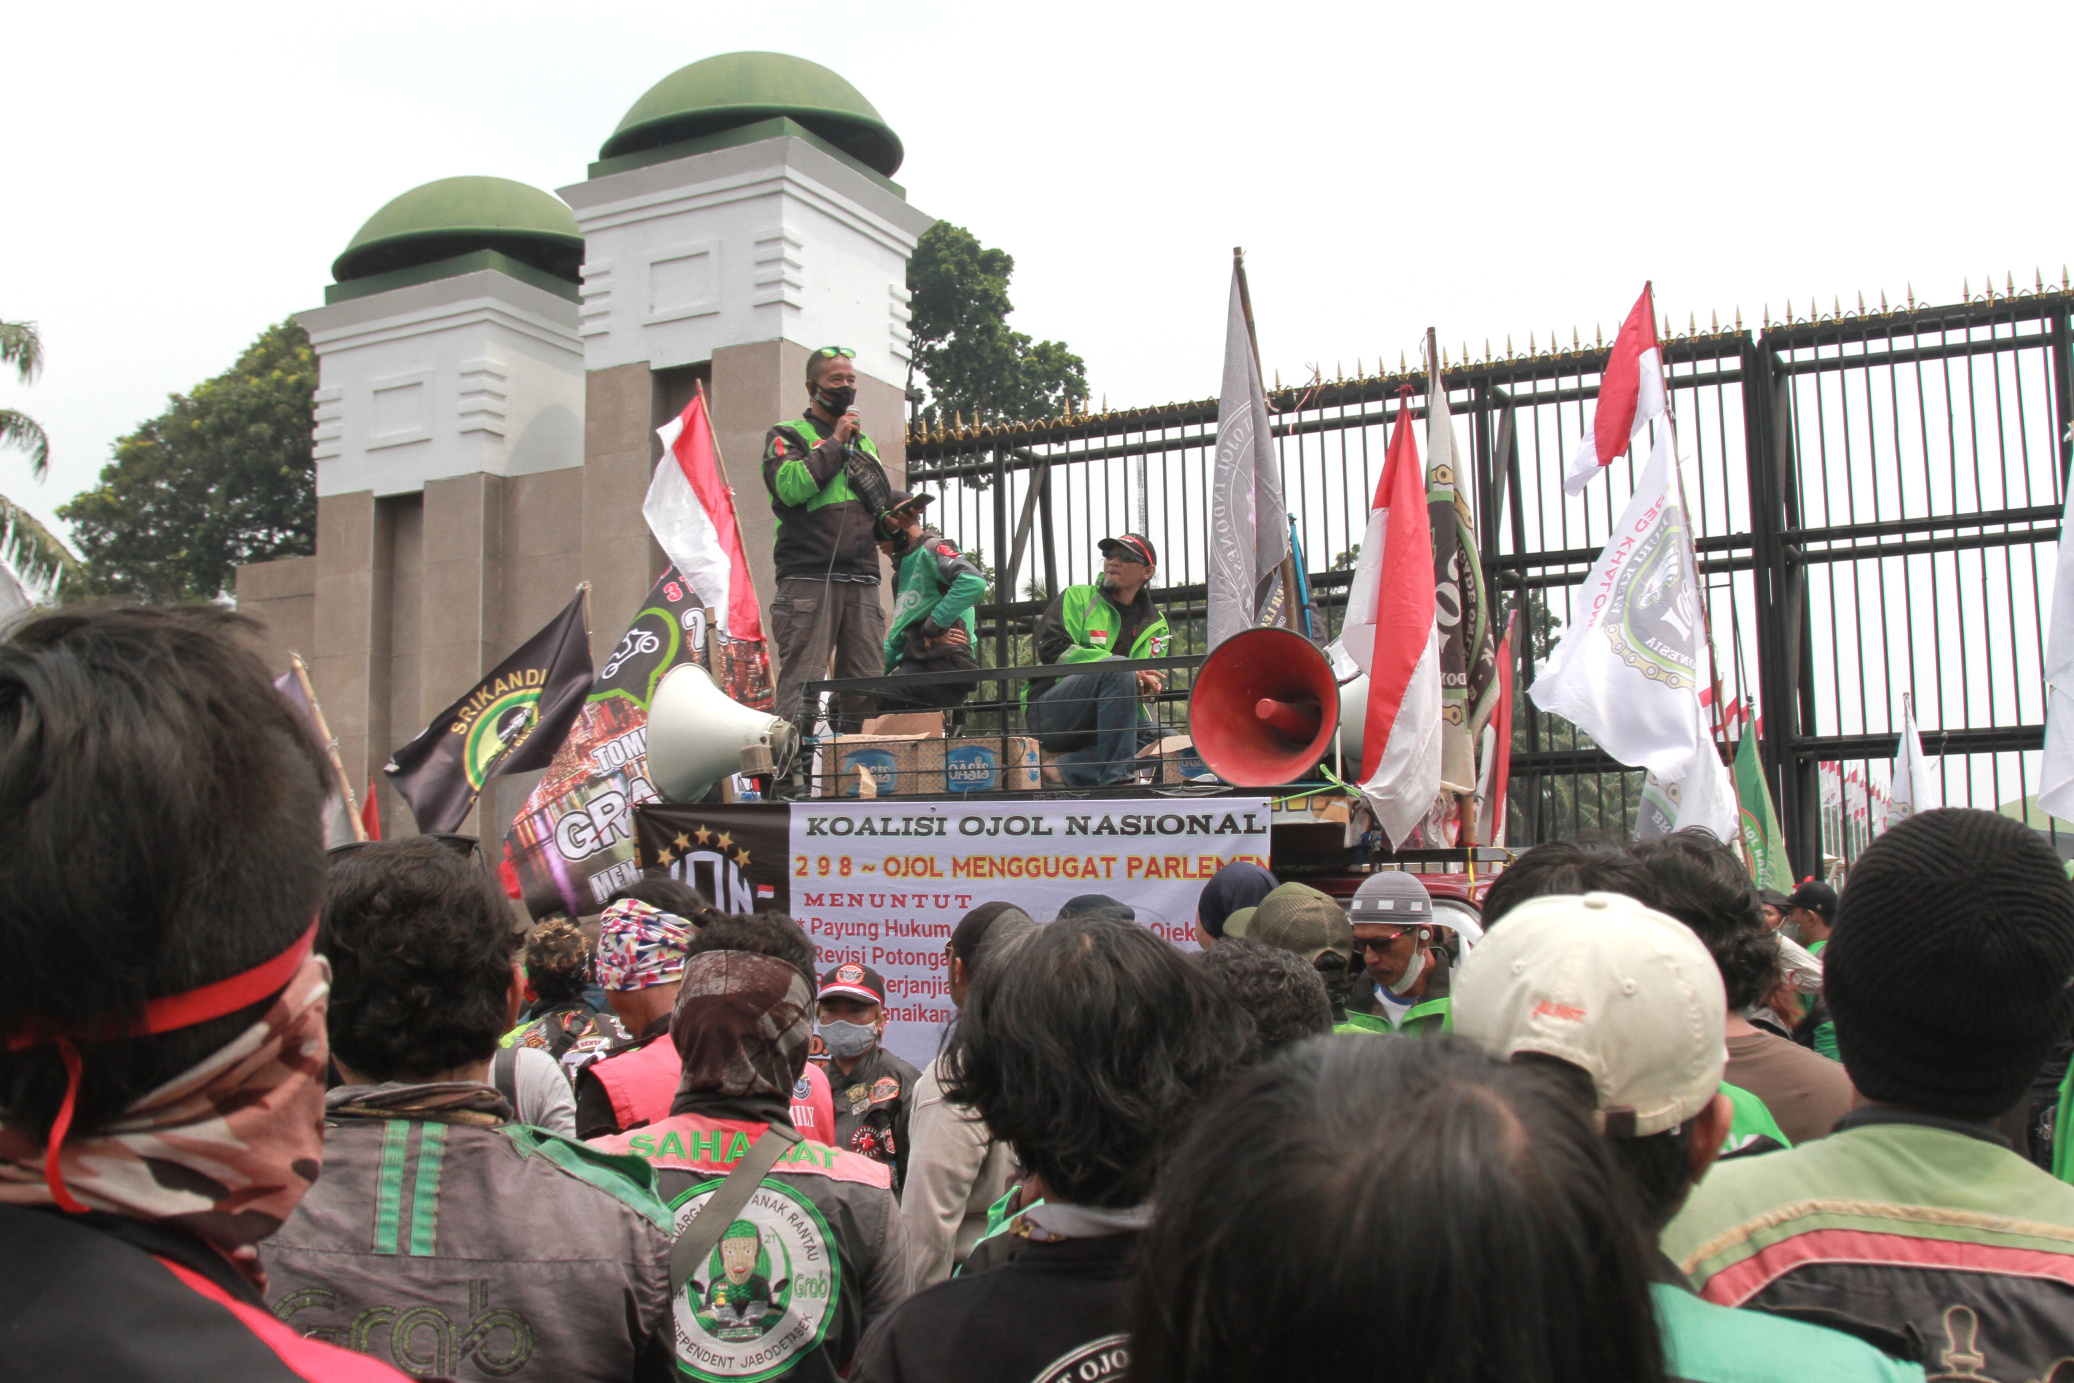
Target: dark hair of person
(1703, 884)
(1089, 1051)
(672, 896)
(161, 812)
(1658, 1167)
(1593, 863)
(761, 933)
(972, 929)
(1353, 1201)
(557, 957)
(420, 944)
(1281, 990)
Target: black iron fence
(1875, 496)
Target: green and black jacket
(1081, 625)
(1900, 1220)
(824, 528)
(936, 587)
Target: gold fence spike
(2009, 280)
(1883, 300)
(1965, 289)
(1861, 302)
(1911, 293)
(1739, 319)
(1508, 345)
(1402, 368)
(1576, 342)
(1487, 348)
(1692, 324)
(2041, 277)
(1716, 320)
(1767, 316)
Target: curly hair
(1285, 993)
(1086, 1054)
(1703, 884)
(161, 807)
(557, 957)
(420, 945)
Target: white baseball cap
(1619, 990)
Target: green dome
(457, 216)
(734, 89)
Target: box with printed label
(910, 765)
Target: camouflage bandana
(741, 1024)
(441, 1102)
(224, 1150)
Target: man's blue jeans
(1091, 722)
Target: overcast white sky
(182, 176)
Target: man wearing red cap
(872, 1086)
(1091, 719)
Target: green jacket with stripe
(1081, 625)
(455, 1244)
(1899, 1220)
(936, 583)
(824, 527)
(1705, 1343)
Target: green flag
(1759, 822)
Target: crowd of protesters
(267, 1114)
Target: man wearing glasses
(828, 491)
(1091, 718)
(1393, 933)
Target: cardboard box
(925, 765)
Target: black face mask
(836, 402)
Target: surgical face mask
(836, 401)
(846, 1040)
(1403, 983)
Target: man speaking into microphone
(828, 491)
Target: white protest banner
(884, 883)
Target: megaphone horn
(1263, 708)
(697, 732)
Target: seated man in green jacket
(934, 592)
(1092, 719)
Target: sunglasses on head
(831, 352)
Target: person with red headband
(163, 1052)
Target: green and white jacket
(1081, 625)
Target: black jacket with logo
(871, 1107)
(1055, 1313)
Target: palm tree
(31, 550)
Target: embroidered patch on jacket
(765, 1294)
(883, 1089)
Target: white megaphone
(697, 732)
(1353, 719)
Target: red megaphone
(1263, 708)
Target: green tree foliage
(223, 476)
(975, 365)
(21, 348)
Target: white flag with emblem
(1249, 529)
(1631, 663)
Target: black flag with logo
(512, 721)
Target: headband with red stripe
(168, 1014)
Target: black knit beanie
(1948, 975)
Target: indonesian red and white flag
(1496, 777)
(1392, 634)
(691, 512)
(1631, 392)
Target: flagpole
(1287, 571)
(1717, 729)
(338, 765)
